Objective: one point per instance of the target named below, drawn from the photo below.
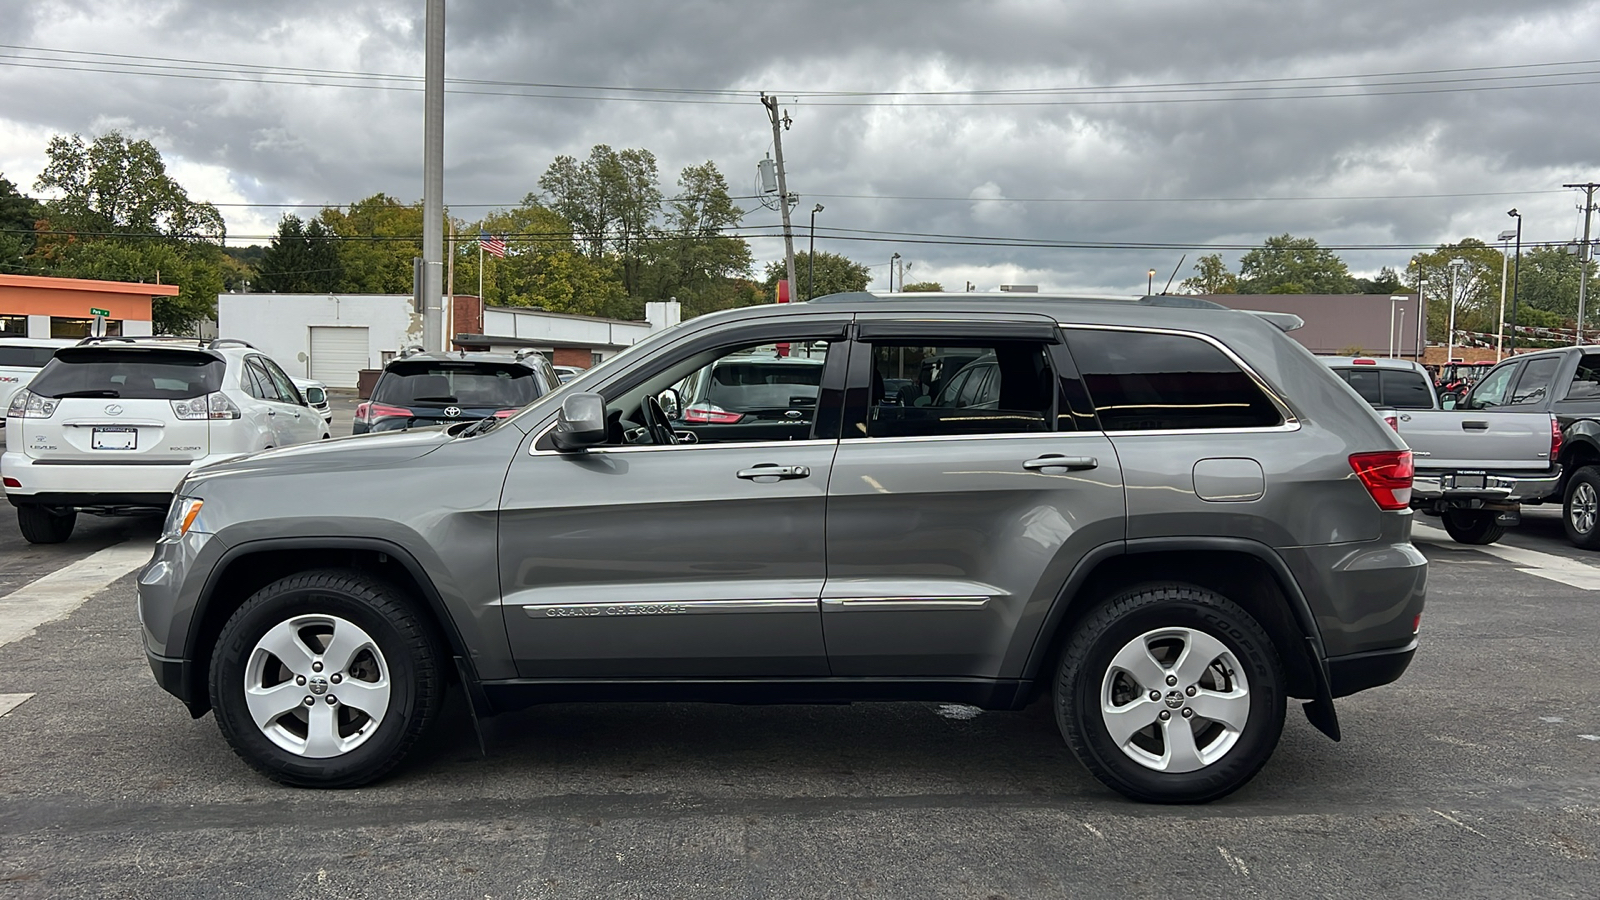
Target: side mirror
(581, 422)
(671, 403)
(1449, 400)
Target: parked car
(420, 389)
(759, 390)
(566, 373)
(1474, 468)
(111, 425)
(316, 397)
(1564, 385)
(20, 359)
(1171, 520)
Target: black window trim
(1290, 422)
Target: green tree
(18, 215)
(303, 258)
(117, 215)
(1549, 282)
(1211, 277)
(1291, 265)
(928, 286)
(542, 266)
(691, 257)
(1477, 286)
(376, 239)
(835, 274)
(1387, 282)
(612, 200)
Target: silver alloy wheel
(1585, 508)
(1175, 700)
(317, 686)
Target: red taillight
(707, 414)
(1416, 624)
(11, 482)
(1386, 476)
(506, 413)
(1363, 362)
(1555, 439)
(371, 412)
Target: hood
(356, 452)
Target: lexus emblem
(452, 411)
(113, 409)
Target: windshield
(485, 385)
(129, 373)
(26, 357)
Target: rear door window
(1147, 381)
(129, 374)
(1405, 389)
(1586, 380)
(1000, 387)
(1368, 382)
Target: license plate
(114, 438)
(1470, 482)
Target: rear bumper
(1359, 671)
(91, 483)
(1433, 488)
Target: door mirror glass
(581, 423)
(671, 403)
(1449, 400)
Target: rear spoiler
(1284, 321)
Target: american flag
(494, 246)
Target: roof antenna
(1168, 285)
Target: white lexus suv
(113, 424)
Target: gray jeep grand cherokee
(1164, 517)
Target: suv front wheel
(325, 679)
(1171, 694)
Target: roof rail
(229, 342)
(411, 350)
(142, 339)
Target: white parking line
(8, 702)
(1571, 572)
(56, 595)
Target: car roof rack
(142, 339)
(229, 342)
(1284, 321)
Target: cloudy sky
(1073, 145)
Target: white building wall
(279, 325)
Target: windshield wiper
(479, 427)
(101, 392)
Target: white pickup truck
(1474, 468)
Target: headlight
(181, 517)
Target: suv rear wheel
(325, 679)
(46, 524)
(1171, 694)
(1580, 509)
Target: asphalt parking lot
(1476, 775)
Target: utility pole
(780, 122)
(433, 178)
(1583, 252)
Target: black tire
(1583, 487)
(408, 649)
(1473, 526)
(1086, 669)
(46, 524)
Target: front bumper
(1449, 487)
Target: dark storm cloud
(280, 143)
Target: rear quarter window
(1145, 381)
(26, 357)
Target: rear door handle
(767, 473)
(1057, 461)
(1475, 425)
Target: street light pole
(1150, 283)
(893, 262)
(1505, 260)
(811, 255)
(1516, 282)
(1450, 339)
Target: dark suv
(418, 389)
(1162, 517)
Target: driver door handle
(770, 472)
(1057, 461)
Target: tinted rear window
(1397, 388)
(755, 385)
(1141, 381)
(129, 374)
(26, 357)
(478, 385)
